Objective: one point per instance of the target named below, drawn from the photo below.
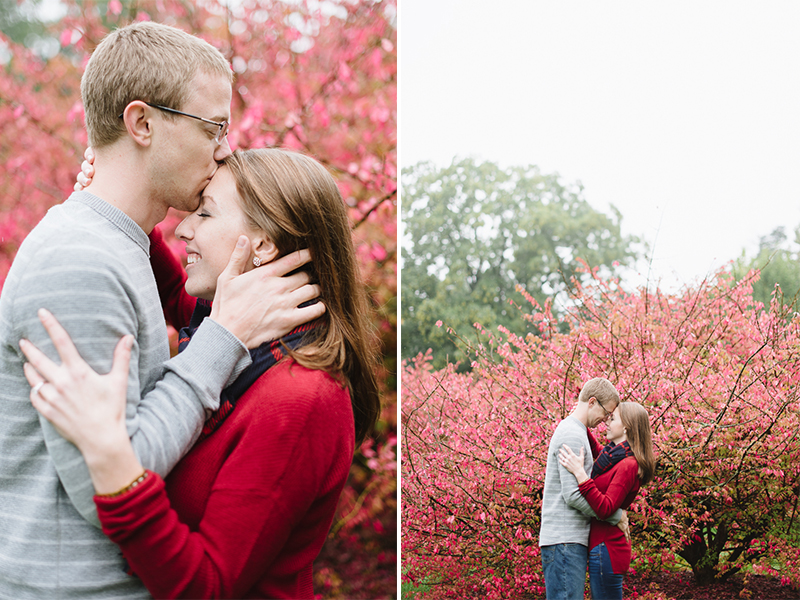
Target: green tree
(778, 259)
(474, 231)
(21, 22)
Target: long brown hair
(636, 422)
(296, 202)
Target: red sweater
(246, 511)
(616, 488)
(170, 277)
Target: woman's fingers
(567, 457)
(32, 375)
(42, 406)
(60, 338)
(568, 451)
(38, 399)
(44, 366)
(122, 361)
(41, 389)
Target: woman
(624, 465)
(247, 510)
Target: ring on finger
(37, 387)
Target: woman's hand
(573, 462)
(86, 408)
(84, 178)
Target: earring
(256, 261)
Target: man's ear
(137, 117)
(264, 249)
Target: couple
(583, 515)
(257, 417)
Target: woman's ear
(264, 250)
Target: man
(566, 515)
(157, 103)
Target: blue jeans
(564, 571)
(605, 584)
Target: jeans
(564, 571)
(605, 584)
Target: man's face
(599, 413)
(186, 153)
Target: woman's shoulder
(291, 388)
(629, 463)
(627, 468)
(288, 372)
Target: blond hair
(144, 61)
(602, 389)
(636, 422)
(296, 202)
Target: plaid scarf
(610, 456)
(264, 357)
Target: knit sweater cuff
(124, 513)
(236, 352)
(213, 360)
(148, 486)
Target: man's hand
(262, 305)
(624, 525)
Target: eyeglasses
(222, 132)
(608, 414)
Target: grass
(409, 591)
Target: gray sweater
(88, 263)
(566, 514)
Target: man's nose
(223, 151)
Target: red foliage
(319, 78)
(677, 586)
(718, 376)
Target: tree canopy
(778, 260)
(475, 231)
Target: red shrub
(718, 376)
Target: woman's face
(211, 233)
(615, 430)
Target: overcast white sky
(685, 115)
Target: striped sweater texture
(88, 263)
(566, 515)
